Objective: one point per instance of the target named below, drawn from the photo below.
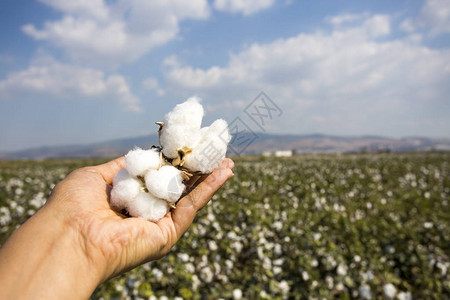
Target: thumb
(188, 206)
(108, 170)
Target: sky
(86, 71)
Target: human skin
(76, 241)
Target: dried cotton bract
(153, 180)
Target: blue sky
(83, 71)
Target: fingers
(187, 207)
(192, 183)
(108, 170)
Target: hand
(76, 241)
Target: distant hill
(328, 143)
(263, 142)
(103, 149)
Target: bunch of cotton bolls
(155, 179)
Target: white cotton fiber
(181, 127)
(165, 183)
(125, 189)
(139, 161)
(148, 207)
(209, 153)
(151, 182)
(121, 175)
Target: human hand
(99, 242)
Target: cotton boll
(211, 150)
(139, 161)
(148, 207)
(124, 190)
(121, 175)
(207, 156)
(165, 183)
(189, 113)
(181, 127)
(203, 149)
(217, 128)
(389, 290)
(220, 127)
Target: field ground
(310, 226)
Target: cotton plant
(155, 179)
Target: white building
(283, 153)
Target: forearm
(43, 259)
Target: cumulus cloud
(89, 8)
(350, 75)
(346, 18)
(102, 32)
(246, 7)
(151, 83)
(48, 78)
(433, 17)
(372, 26)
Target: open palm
(112, 242)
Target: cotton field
(303, 227)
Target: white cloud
(435, 14)
(90, 8)
(373, 26)
(152, 83)
(407, 25)
(348, 76)
(100, 32)
(346, 18)
(246, 7)
(434, 17)
(378, 25)
(51, 79)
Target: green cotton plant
(320, 226)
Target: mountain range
(257, 144)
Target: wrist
(45, 258)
